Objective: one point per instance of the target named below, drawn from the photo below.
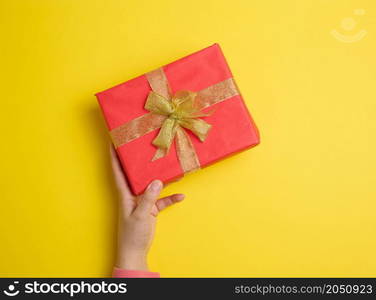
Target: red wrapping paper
(233, 129)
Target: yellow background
(302, 203)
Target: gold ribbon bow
(171, 115)
(180, 111)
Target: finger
(120, 179)
(168, 201)
(154, 211)
(149, 197)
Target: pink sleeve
(121, 273)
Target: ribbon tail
(198, 126)
(186, 153)
(165, 138)
(159, 154)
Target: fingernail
(156, 186)
(180, 197)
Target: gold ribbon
(173, 113)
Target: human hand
(137, 219)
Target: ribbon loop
(158, 104)
(185, 103)
(166, 134)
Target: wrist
(132, 261)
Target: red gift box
(232, 130)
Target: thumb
(149, 197)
